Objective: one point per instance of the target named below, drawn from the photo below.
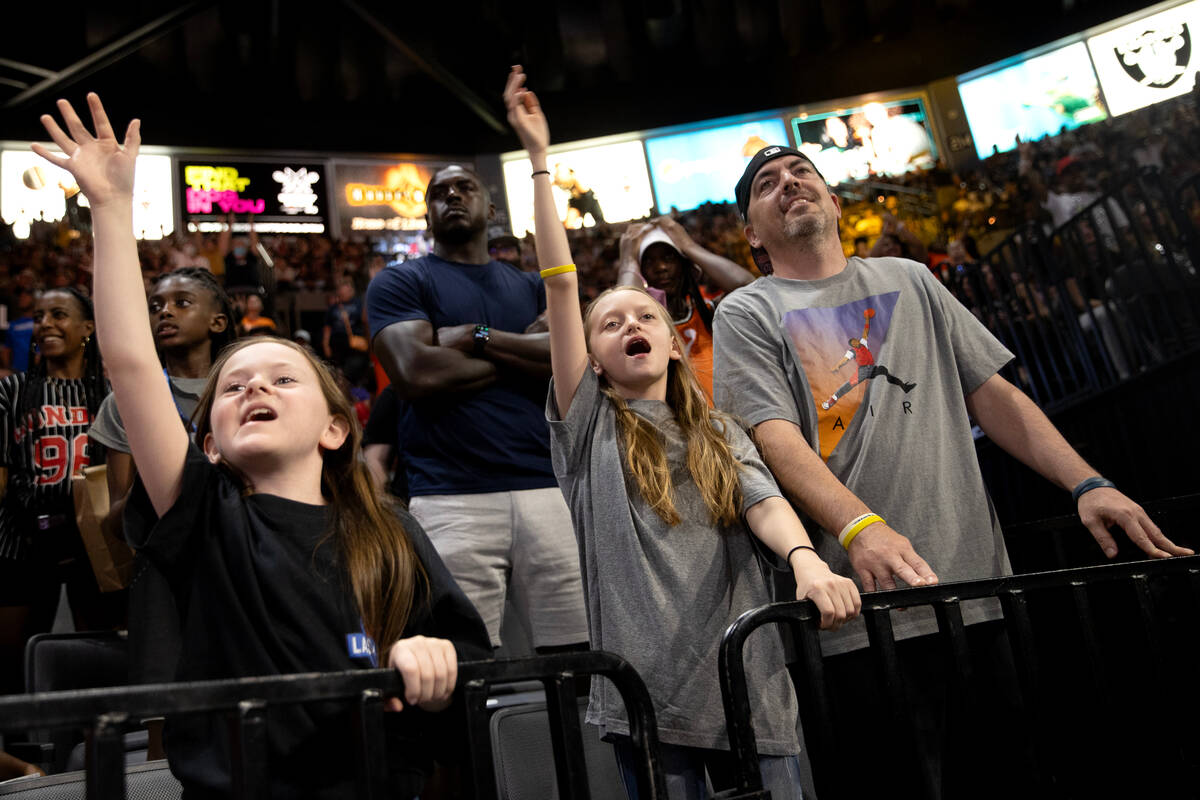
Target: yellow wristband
(855, 526)
(550, 272)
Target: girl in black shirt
(280, 553)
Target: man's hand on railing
(1102, 508)
(429, 668)
(880, 555)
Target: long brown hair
(709, 459)
(384, 570)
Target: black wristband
(788, 560)
(1087, 484)
(537, 172)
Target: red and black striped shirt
(40, 452)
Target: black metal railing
(247, 700)
(1110, 293)
(1045, 771)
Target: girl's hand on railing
(836, 597)
(429, 668)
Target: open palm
(102, 166)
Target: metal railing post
(106, 758)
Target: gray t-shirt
(662, 596)
(873, 364)
(109, 430)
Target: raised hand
(524, 113)
(678, 234)
(102, 166)
(632, 237)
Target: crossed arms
(424, 363)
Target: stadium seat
(524, 757)
(63, 661)
(150, 781)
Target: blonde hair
(709, 459)
(384, 570)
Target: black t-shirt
(381, 429)
(242, 273)
(260, 593)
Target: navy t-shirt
(491, 440)
(339, 337)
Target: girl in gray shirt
(662, 491)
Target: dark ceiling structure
(366, 76)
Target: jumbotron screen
(32, 188)
(1032, 98)
(877, 138)
(609, 178)
(690, 169)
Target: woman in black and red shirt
(45, 414)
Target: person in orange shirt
(254, 322)
(660, 256)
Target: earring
(84, 343)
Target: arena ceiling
(361, 75)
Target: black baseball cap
(504, 240)
(769, 153)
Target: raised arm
(225, 237)
(568, 349)
(719, 269)
(916, 248)
(629, 271)
(894, 227)
(104, 170)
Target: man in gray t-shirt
(859, 377)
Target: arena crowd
(495, 477)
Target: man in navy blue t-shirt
(20, 330)
(449, 329)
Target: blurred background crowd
(945, 219)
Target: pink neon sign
(219, 186)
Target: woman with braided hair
(45, 416)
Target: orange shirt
(258, 322)
(698, 343)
